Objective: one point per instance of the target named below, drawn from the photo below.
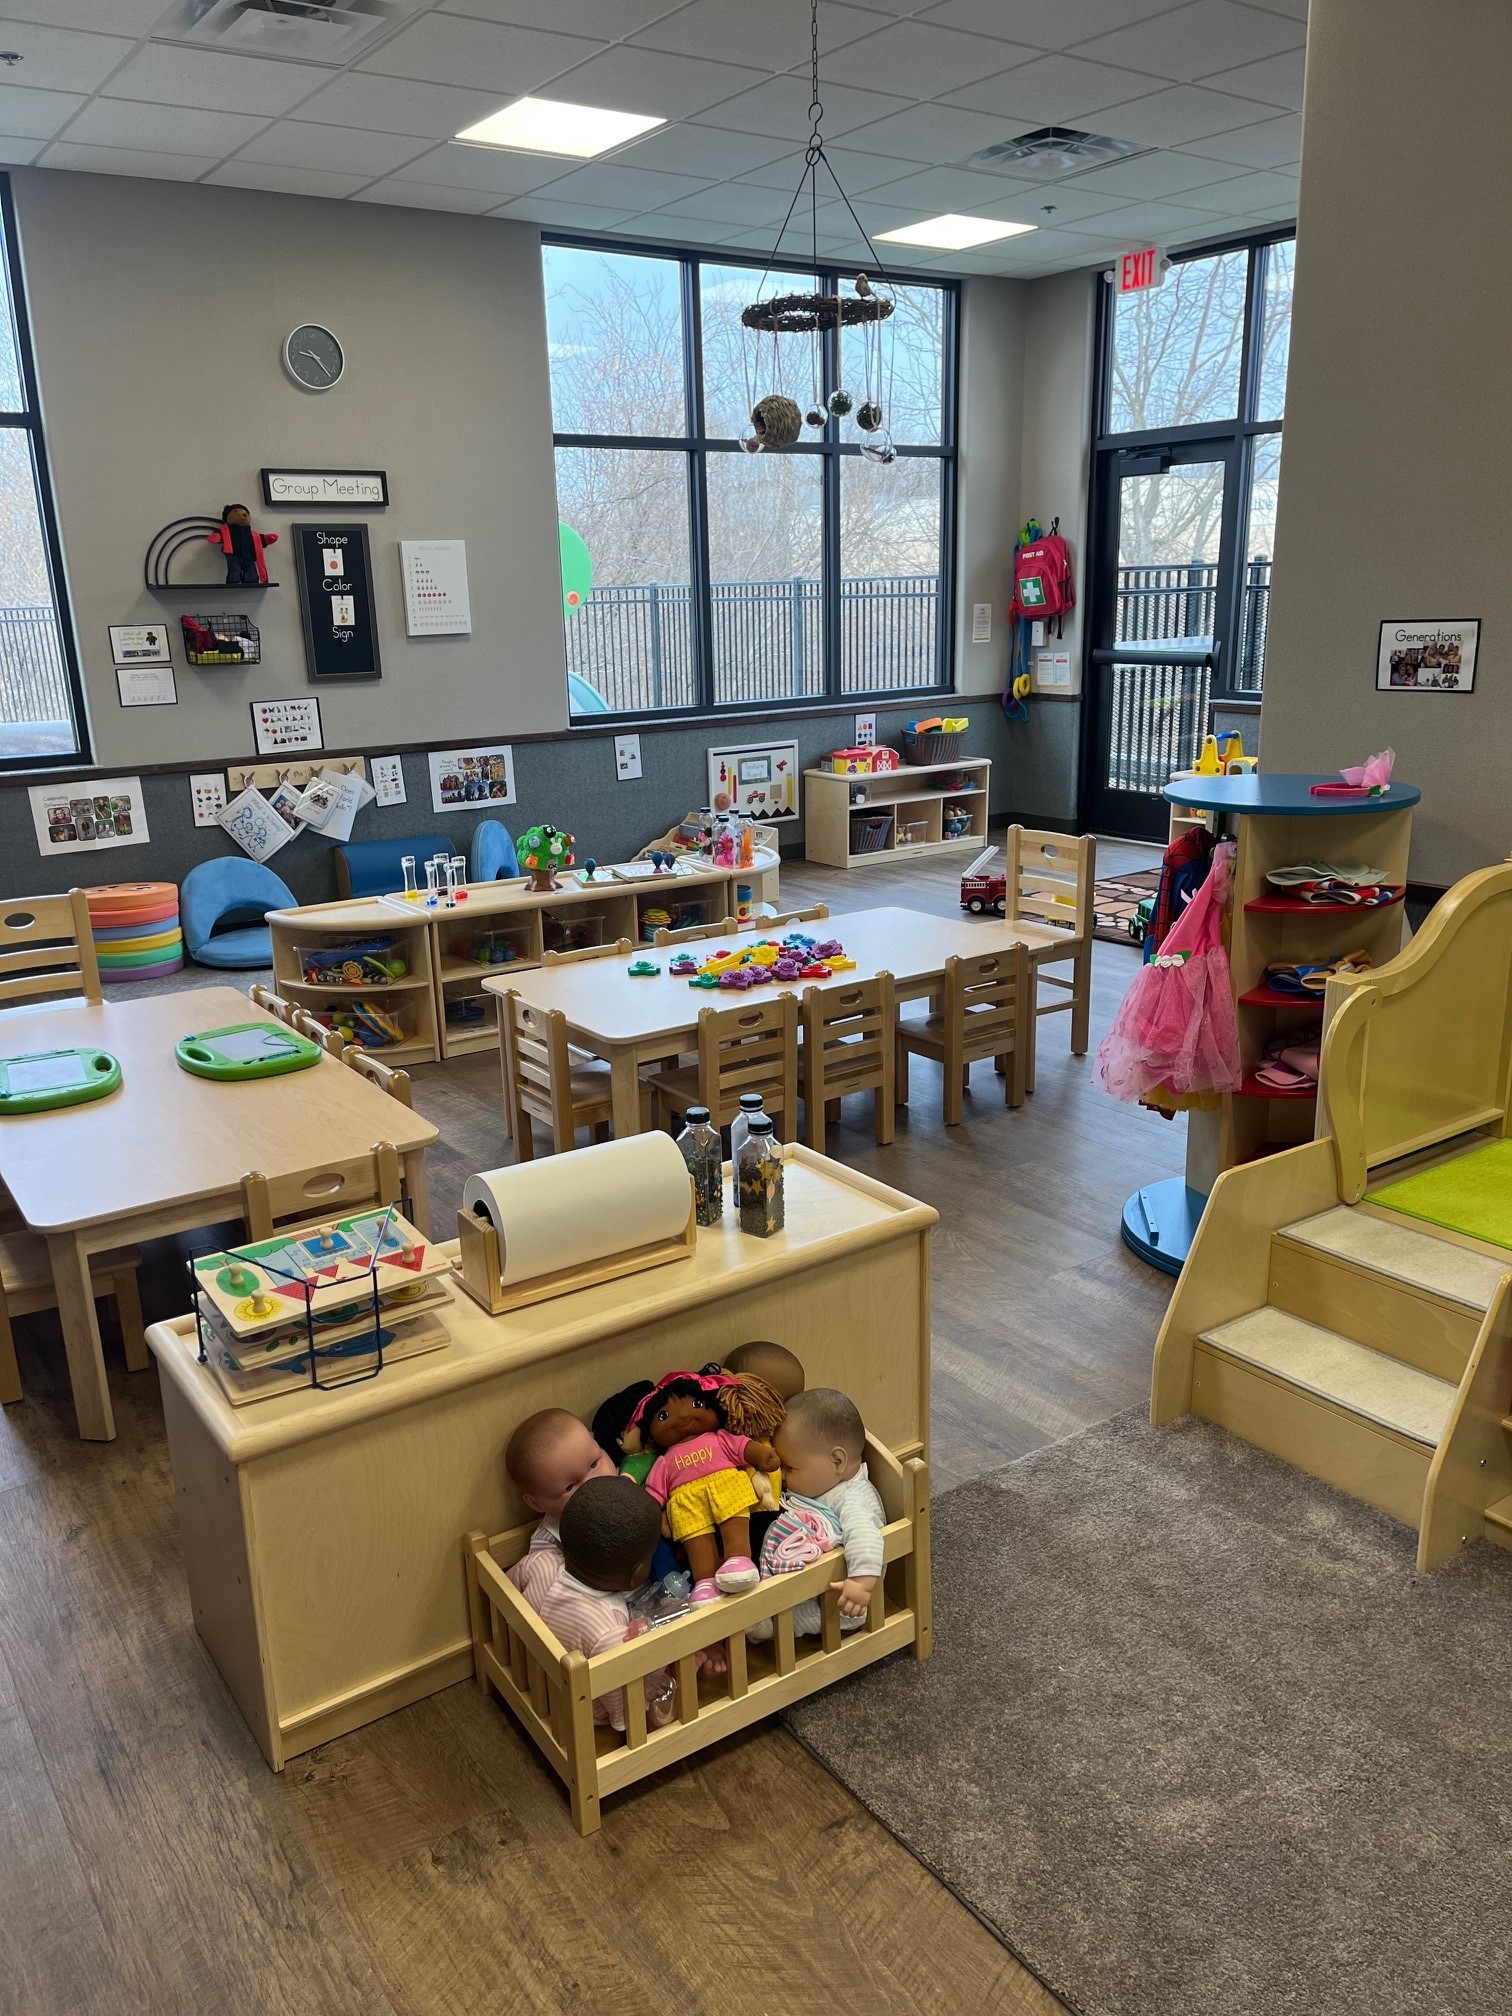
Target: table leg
(417, 1189)
(624, 1092)
(81, 1336)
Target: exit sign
(1138, 270)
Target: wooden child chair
(752, 1048)
(47, 950)
(275, 1004)
(1051, 882)
(621, 948)
(690, 933)
(543, 1082)
(26, 1284)
(330, 1040)
(848, 1047)
(286, 1203)
(809, 916)
(387, 1077)
(987, 1011)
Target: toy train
(983, 891)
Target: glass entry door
(1161, 597)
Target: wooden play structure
(551, 1691)
(1372, 1349)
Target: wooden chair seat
(26, 1285)
(987, 1011)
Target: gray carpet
(1197, 1741)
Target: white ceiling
(911, 89)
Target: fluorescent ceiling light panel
(551, 126)
(955, 234)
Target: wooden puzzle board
(341, 1323)
(332, 1260)
(405, 1337)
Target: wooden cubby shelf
(910, 796)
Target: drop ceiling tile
(35, 115)
(1155, 175)
(771, 35)
(1276, 81)
(161, 129)
(1195, 40)
(643, 80)
(1166, 118)
(935, 134)
(937, 190)
(779, 107)
(57, 59)
(126, 17)
(605, 184)
(920, 61)
(332, 150)
(856, 171)
(1273, 193)
(1053, 89)
(1046, 24)
(601, 20)
(1056, 207)
(1149, 222)
(686, 149)
(126, 161)
(241, 174)
(210, 82)
(396, 105)
(559, 216)
(489, 168)
(731, 203)
(448, 49)
(1273, 143)
(1295, 10)
(17, 153)
(426, 196)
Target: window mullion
(698, 488)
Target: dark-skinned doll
(701, 1476)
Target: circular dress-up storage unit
(136, 929)
(1276, 821)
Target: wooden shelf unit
(911, 795)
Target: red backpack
(1043, 584)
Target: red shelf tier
(1252, 1088)
(1293, 906)
(1271, 997)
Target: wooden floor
(149, 1861)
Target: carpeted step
(1378, 1389)
(1418, 1259)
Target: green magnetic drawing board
(43, 1080)
(246, 1050)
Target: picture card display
(83, 817)
(464, 779)
(138, 644)
(282, 725)
(388, 779)
(336, 601)
(436, 601)
(1428, 657)
(207, 791)
(146, 685)
(761, 781)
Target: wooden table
(630, 1022)
(322, 1531)
(167, 1152)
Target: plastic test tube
(410, 889)
(459, 877)
(430, 885)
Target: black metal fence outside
(33, 677)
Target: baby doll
(828, 1501)
(548, 1456)
(610, 1528)
(761, 1359)
(700, 1476)
(612, 1431)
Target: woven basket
(869, 836)
(935, 747)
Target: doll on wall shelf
(700, 1476)
(243, 548)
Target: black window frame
(1231, 440)
(695, 445)
(28, 420)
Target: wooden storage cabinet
(411, 999)
(912, 800)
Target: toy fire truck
(983, 892)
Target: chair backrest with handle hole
(752, 1048)
(1051, 878)
(330, 1040)
(848, 1036)
(812, 915)
(621, 948)
(537, 1062)
(276, 1203)
(387, 1077)
(987, 1001)
(47, 951)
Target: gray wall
(1396, 471)
(993, 315)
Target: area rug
(1470, 1194)
(1197, 1741)
(1115, 900)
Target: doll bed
(551, 1691)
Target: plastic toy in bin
(363, 962)
(364, 1023)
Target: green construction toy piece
(38, 1081)
(246, 1050)
(643, 969)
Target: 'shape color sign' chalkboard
(336, 599)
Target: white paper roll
(572, 1210)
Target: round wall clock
(313, 358)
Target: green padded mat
(1472, 1194)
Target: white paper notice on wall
(388, 779)
(436, 601)
(981, 622)
(207, 792)
(253, 824)
(627, 757)
(866, 731)
(1052, 670)
(78, 818)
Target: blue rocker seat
(493, 853)
(230, 889)
(372, 867)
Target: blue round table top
(1279, 794)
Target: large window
(40, 714)
(724, 579)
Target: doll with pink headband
(693, 1420)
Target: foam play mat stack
(136, 929)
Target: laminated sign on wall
(436, 601)
(79, 818)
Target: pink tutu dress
(1174, 1042)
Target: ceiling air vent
(306, 31)
(1051, 153)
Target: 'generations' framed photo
(1428, 657)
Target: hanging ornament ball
(839, 402)
(814, 417)
(869, 416)
(777, 420)
(752, 445)
(880, 449)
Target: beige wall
(1058, 423)
(1396, 472)
(159, 315)
(993, 315)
